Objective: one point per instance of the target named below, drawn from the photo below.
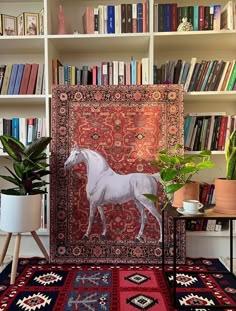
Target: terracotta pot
(189, 191)
(20, 213)
(225, 195)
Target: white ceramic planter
(20, 213)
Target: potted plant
(21, 204)
(176, 172)
(225, 193)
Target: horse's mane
(95, 155)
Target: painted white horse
(104, 186)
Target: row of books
(106, 73)
(120, 18)
(24, 129)
(167, 17)
(207, 194)
(207, 225)
(18, 79)
(205, 75)
(204, 131)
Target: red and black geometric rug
(45, 287)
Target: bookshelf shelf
(20, 45)
(223, 233)
(86, 43)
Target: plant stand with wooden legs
(17, 250)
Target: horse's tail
(156, 176)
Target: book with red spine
(32, 79)
(25, 79)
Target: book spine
(110, 19)
(96, 20)
(18, 79)
(40, 77)
(121, 73)
(128, 18)
(15, 128)
(123, 17)
(139, 17)
(32, 79)
(12, 79)
(25, 79)
(134, 17)
(216, 19)
(6, 79)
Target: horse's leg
(153, 210)
(103, 218)
(140, 207)
(92, 210)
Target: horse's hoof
(139, 239)
(103, 237)
(85, 238)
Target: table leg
(15, 258)
(5, 247)
(163, 240)
(231, 244)
(40, 244)
(174, 263)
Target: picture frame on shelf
(41, 22)
(9, 25)
(31, 24)
(20, 25)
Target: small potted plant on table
(176, 172)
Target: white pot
(20, 213)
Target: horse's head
(75, 157)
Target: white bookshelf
(79, 49)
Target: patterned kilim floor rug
(43, 286)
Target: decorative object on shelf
(9, 26)
(31, 24)
(225, 193)
(126, 125)
(185, 25)
(61, 21)
(176, 171)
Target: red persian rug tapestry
(117, 130)
(53, 287)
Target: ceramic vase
(20, 213)
(225, 195)
(189, 191)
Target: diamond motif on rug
(48, 278)
(194, 299)
(184, 279)
(33, 302)
(137, 278)
(142, 302)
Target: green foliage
(29, 165)
(177, 169)
(230, 155)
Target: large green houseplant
(21, 204)
(177, 169)
(29, 165)
(225, 193)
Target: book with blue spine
(139, 17)
(167, 17)
(15, 128)
(133, 72)
(110, 19)
(12, 79)
(18, 79)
